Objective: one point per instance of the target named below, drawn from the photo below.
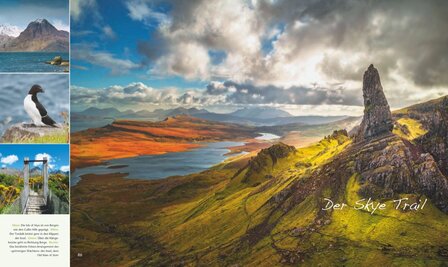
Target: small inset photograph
(34, 179)
(34, 108)
(34, 36)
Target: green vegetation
(200, 214)
(265, 209)
(8, 180)
(60, 138)
(9, 190)
(409, 128)
(59, 184)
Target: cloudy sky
(306, 57)
(20, 13)
(12, 156)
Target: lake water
(14, 88)
(267, 136)
(84, 124)
(30, 61)
(162, 166)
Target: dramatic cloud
(317, 49)
(89, 54)
(249, 94)
(9, 160)
(216, 93)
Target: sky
(306, 57)
(20, 13)
(12, 156)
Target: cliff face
(434, 117)
(377, 118)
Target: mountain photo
(259, 133)
(34, 38)
(40, 35)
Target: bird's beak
(43, 91)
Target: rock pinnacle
(377, 118)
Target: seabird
(35, 109)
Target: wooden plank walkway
(35, 204)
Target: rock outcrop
(265, 160)
(386, 165)
(389, 165)
(377, 118)
(434, 118)
(23, 132)
(57, 60)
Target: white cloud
(142, 96)
(139, 10)
(100, 58)
(41, 156)
(61, 25)
(9, 160)
(78, 7)
(65, 168)
(108, 32)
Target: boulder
(22, 132)
(58, 61)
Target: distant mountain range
(34, 171)
(266, 113)
(249, 116)
(39, 35)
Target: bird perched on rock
(35, 109)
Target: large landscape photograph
(259, 133)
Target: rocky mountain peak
(38, 28)
(377, 118)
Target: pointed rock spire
(377, 118)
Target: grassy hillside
(268, 208)
(216, 218)
(10, 187)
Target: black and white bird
(35, 109)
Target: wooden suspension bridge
(35, 197)
(34, 202)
